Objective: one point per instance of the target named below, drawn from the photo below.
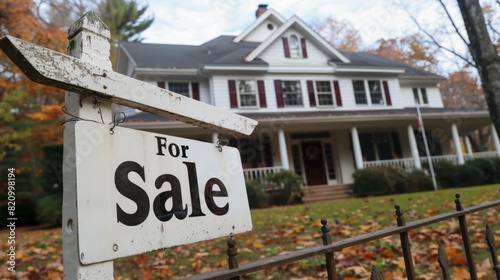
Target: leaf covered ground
(285, 229)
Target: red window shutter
(338, 97)
(262, 94)
(233, 99)
(310, 90)
(387, 93)
(279, 94)
(304, 48)
(160, 84)
(286, 47)
(195, 87)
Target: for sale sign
(140, 191)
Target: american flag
(420, 123)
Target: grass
(283, 229)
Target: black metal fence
(329, 248)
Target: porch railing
(260, 174)
(408, 164)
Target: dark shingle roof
(222, 51)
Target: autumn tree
(340, 34)
(461, 89)
(22, 102)
(411, 50)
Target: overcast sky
(196, 21)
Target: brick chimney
(260, 10)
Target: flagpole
(428, 154)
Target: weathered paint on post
(48, 67)
(89, 41)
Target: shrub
(490, 168)
(257, 197)
(49, 210)
(450, 175)
(418, 181)
(290, 186)
(25, 209)
(379, 181)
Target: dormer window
(294, 47)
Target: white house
(322, 113)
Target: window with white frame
(368, 92)
(420, 96)
(294, 46)
(324, 93)
(292, 94)
(180, 88)
(247, 93)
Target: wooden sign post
(139, 200)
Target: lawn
(283, 229)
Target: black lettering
(162, 143)
(184, 148)
(210, 193)
(159, 209)
(193, 190)
(173, 151)
(132, 192)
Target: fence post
(329, 257)
(490, 240)
(88, 41)
(465, 239)
(443, 262)
(232, 251)
(405, 244)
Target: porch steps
(326, 193)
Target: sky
(197, 21)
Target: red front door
(314, 164)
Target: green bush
(290, 186)
(418, 181)
(257, 197)
(490, 168)
(49, 210)
(379, 181)
(450, 175)
(24, 212)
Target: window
(247, 93)
(420, 96)
(359, 91)
(254, 152)
(180, 88)
(294, 46)
(292, 95)
(324, 93)
(380, 146)
(374, 92)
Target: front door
(314, 164)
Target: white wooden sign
(142, 191)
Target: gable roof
(313, 36)
(269, 14)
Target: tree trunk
(484, 54)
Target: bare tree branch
(436, 42)
(466, 42)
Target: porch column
(468, 146)
(215, 138)
(413, 147)
(496, 141)
(358, 157)
(456, 142)
(283, 150)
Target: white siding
(261, 32)
(205, 92)
(433, 95)
(344, 156)
(275, 54)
